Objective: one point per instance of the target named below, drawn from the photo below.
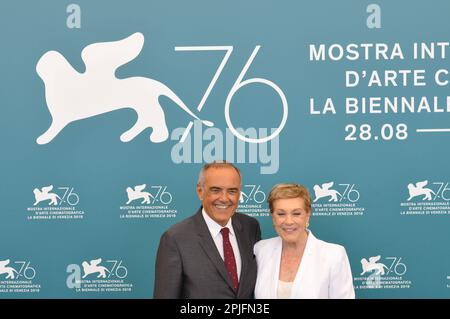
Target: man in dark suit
(210, 254)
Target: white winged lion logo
(419, 189)
(9, 271)
(138, 193)
(44, 194)
(73, 96)
(93, 267)
(373, 265)
(325, 191)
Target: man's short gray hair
(215, 164)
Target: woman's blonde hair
(286, 191)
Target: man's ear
(199, 192)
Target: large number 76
(236, 86)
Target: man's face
(220, 193)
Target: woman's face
(290, 218)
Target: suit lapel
(275, 262)
(305, 274)
(209, 247)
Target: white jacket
(324, 271)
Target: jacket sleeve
(168, 270)
(341, 281)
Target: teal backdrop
(83, 211)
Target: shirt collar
(214, 227)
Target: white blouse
(284, 289)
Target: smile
(222, 206)
(289, 230)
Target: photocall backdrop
(101, 142)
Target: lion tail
(171, 95)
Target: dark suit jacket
(188, 264)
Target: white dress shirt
(214, 229)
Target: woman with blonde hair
(296, 264)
